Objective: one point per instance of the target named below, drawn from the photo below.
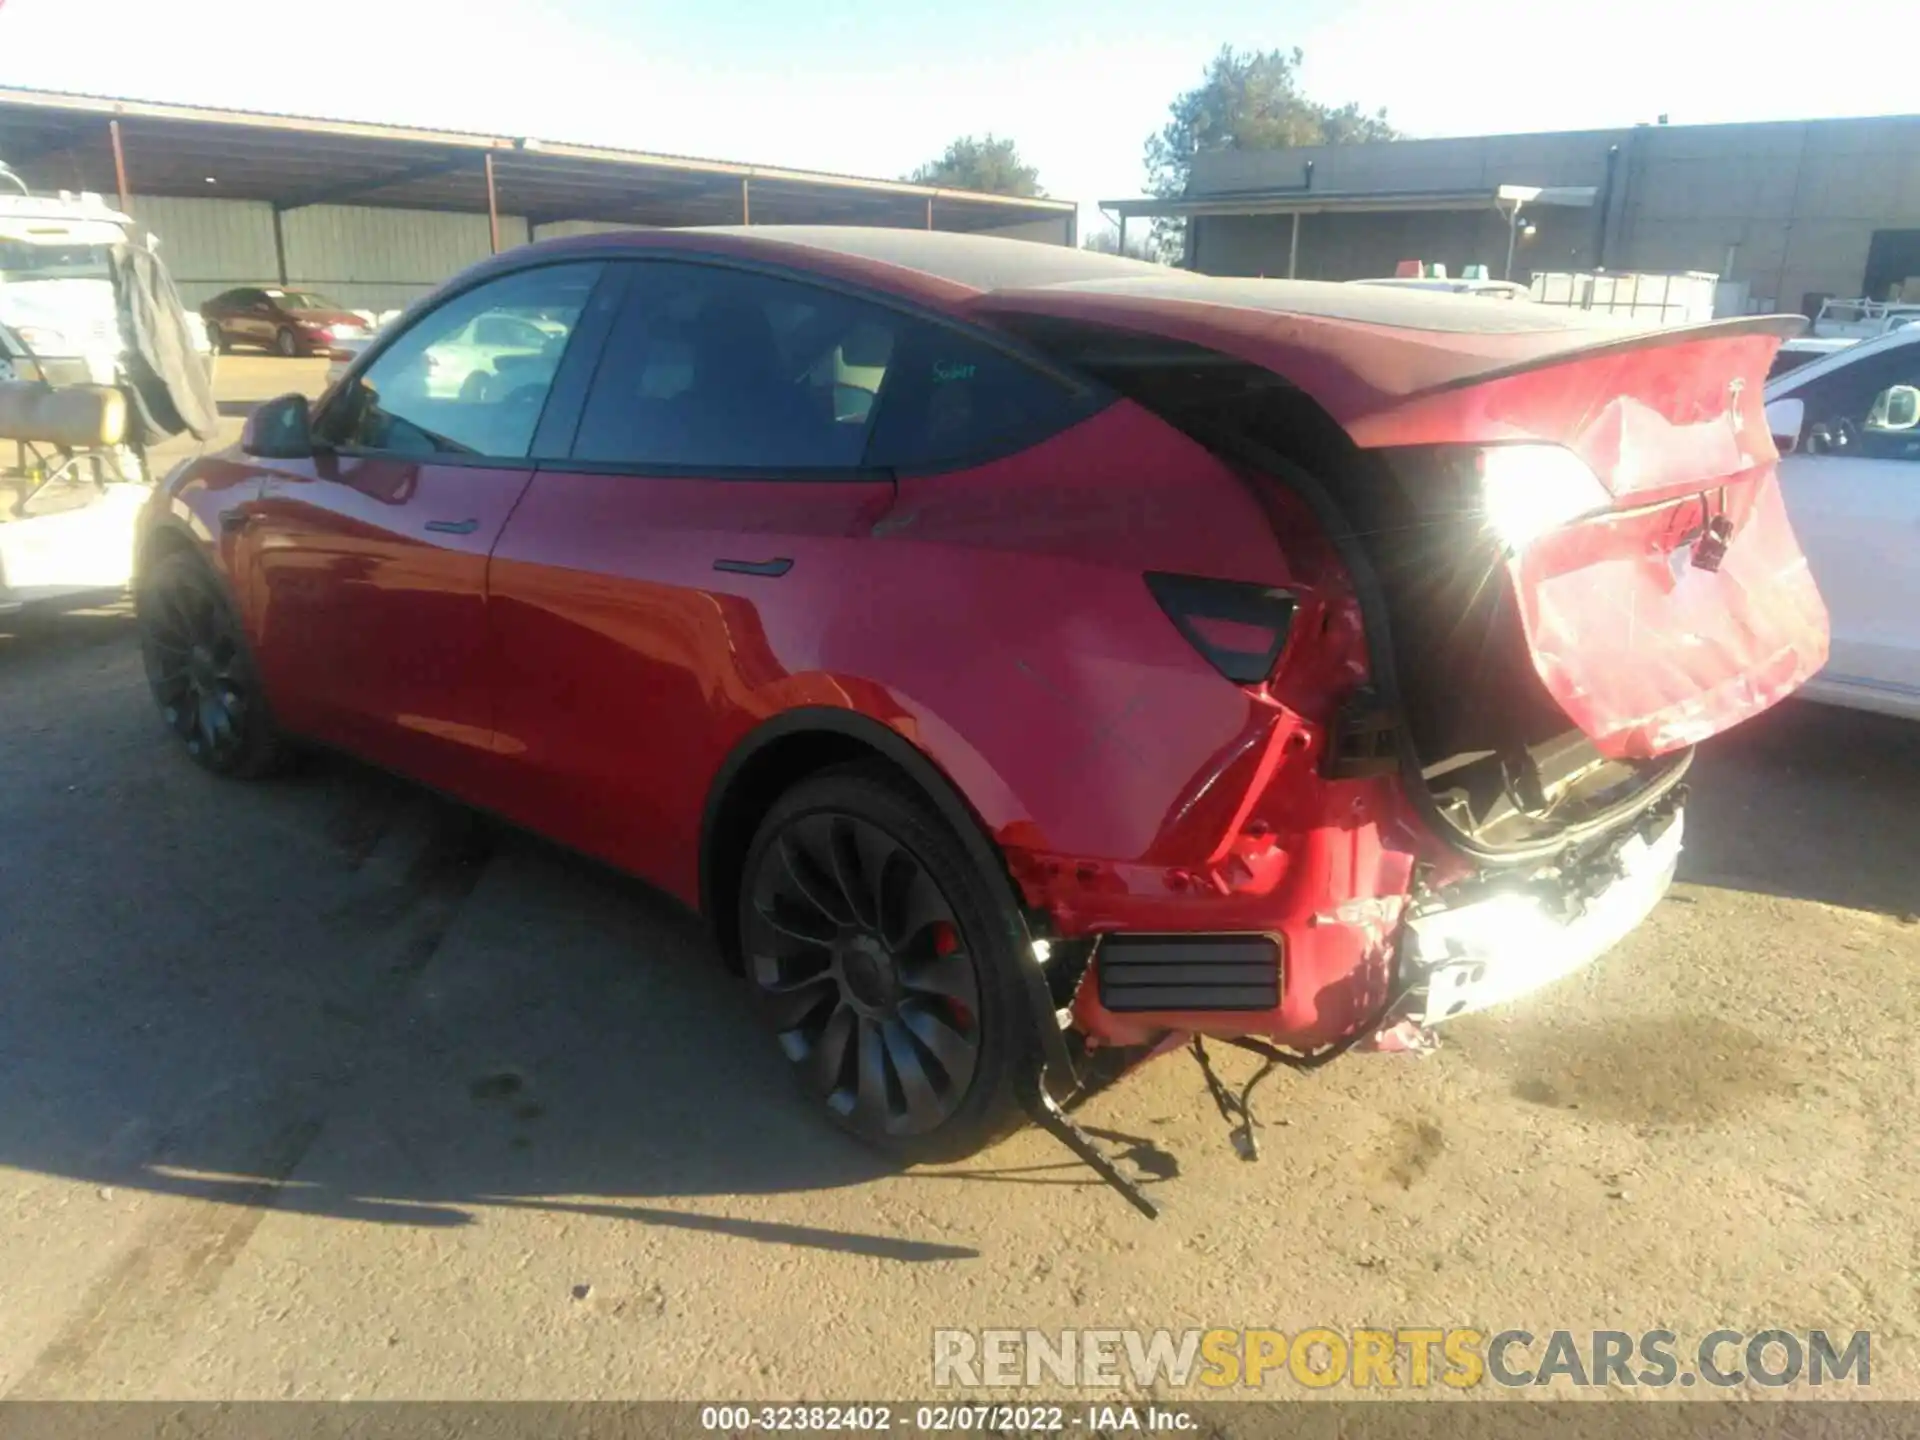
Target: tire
(217, 338)
(881, 959)
(200, 671)
(285, 343)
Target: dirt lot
(316, 1088)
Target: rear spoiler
(1403, 350)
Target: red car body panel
(1645, 656)
(617, 638)
(369, 607)
(577, 662)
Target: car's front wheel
(880, 958)
(200, 670)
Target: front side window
(1869, 410)
(708, 368)
(451, 385)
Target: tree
(990, 164)
(1106, 240)
(1247, 100)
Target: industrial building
(375, 215)
(1786, 213)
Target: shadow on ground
(1809, 802)
(334, 994)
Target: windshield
(21, 261)
(301, 300)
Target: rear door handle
(776, 567)
(453, 527)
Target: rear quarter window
(952, 400)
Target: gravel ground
(319, 1088)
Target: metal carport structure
(134, 148)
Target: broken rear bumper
(1390, 966)
(1468, 957)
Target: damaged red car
(1026, 659)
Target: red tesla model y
(1017, 652)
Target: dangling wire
(1235, 1109)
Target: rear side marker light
(1239, 629)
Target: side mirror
(1786, 418)
(1900, 409)
(279, 430)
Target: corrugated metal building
(1791, 210)
(362, 257)
(374, 216)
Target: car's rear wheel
(217, 338)
(285, 343)
(879, 956)
(200, 671)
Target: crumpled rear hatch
(1676, 605)
(1685, 605)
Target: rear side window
(952, 400)
(708, 368)
(715, 369)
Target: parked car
(287, 322)
(341, 355)
(1804, 351)
(1015, 651)
(1849, 424)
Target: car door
(256, 318)
(684, 572)
(1853, 491)
(372, 555)
(230, 312)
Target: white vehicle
(1848, 428)
(489, 347)
(1862, 319)
(67, 504)
(97, 360)
(341, 354)
(56, 279)
(497, 344)
(1804, 351)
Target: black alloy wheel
(199, 670)
(866, 937)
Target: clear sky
(874, 87)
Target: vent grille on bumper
(1188, 972)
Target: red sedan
(1016, 652)
(287, 322)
